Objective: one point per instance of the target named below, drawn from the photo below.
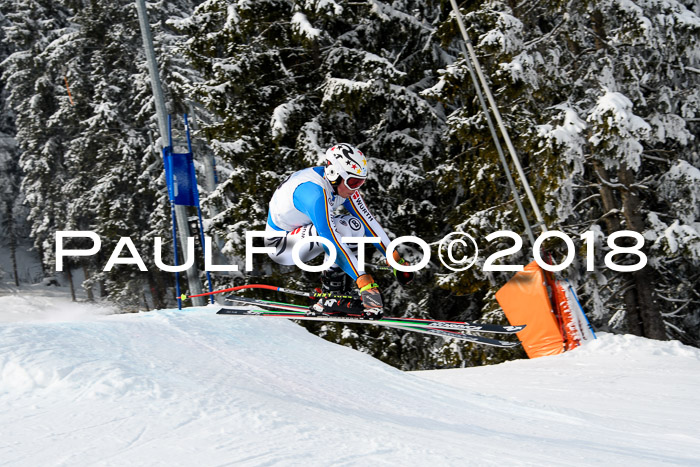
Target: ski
(419, 322)
(461, 336)
(298, 315)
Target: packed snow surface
(195, 388)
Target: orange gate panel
(525, 300)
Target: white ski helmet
(346, 162)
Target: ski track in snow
(193, 388)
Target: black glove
(403, 278)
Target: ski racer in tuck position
(304, 205)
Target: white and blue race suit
(304, 206)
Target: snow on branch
(280, 116)
(390, 14)
(616, 127)
(302, 25)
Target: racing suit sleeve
(312, 200)
(357, 207)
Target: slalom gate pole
(195, 196)
(202, 241)
(578, 302)
(175, 255)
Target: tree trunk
(13, 255)
(643, 317)
(597, 24)
(612, 221)
(145, 300)
(12, 234)
(69, 275)
(610, 203)
(86, 273)
(645, 302)
(157, 293)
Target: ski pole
(282, 289)
(269, 287)
(234, 289)
(380, 267)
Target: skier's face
(344, 191)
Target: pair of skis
(447, 329)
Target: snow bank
(194, 388)
(51, 304)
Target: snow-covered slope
(193, 388)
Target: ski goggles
(353, 183)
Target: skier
(304, 205)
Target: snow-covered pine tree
(87, 156)
(33, 94)
(119, 174)
(11, 210)
(601, 100)
(9, 170)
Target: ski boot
(370, 298)
(339, 301)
